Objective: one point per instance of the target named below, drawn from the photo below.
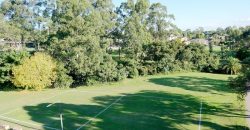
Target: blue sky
(209, 14)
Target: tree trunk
(22, 41)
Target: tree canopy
(78, 41)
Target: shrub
(241, 84)
(213, 63)
(183, 66)
(63, 80)
(36, 72)
(108, 70)
(131, 68)
(232, 65)
(7, 61)
(132, 71)
(143, 70)
(152, 68)
(122, 73)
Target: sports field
(186, 101)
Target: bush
(108, 70)
(246, 61)
(241, 84)
(7, 61)
(152, 69)
(143, 70)
(213, 63)
(243, 53)
(36, 72)
(63, 80)
(132, 71)
(232, 65)
(122, 73)
(131, 68)
(183, 66)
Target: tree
(241, 84)
(36, 72)
(18, 14)
(233, 37)
(232, 65)
(8, 31)
(199, 33)
(82, 36)
(63, 80)
(159, 22)
(163, 54)
(196, 54)
(7, 61)
(135, 33)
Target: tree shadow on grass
(202, 84)
(146, 110)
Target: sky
(209, 14)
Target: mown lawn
(169, 102)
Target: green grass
(160, 102)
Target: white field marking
(36, 102)
(90, 120)
(135, 95)
(50, 104)
(200, 117)
(53, 103)
(24, 122)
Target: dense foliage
(7, 61)
(75, 39)
(36, 72)
(241, 84)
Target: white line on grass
(200, 117)
(24, 122)
(90, 120)
(36, 102)
(53, 103)
(50, 104)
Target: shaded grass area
(199, 84)
(169, 102)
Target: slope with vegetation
(77, 35)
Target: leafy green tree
(241, 83)
(233, 37)
(213, 63)
(133, 27)
(63, 80)
(36, 72)
(18, 14)
(108, 71)
(232, 65)
(196, 54)
(159, 22)
(7, 61)
(164, 54)
(199, 33)
(81, 39)
(8, 31)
